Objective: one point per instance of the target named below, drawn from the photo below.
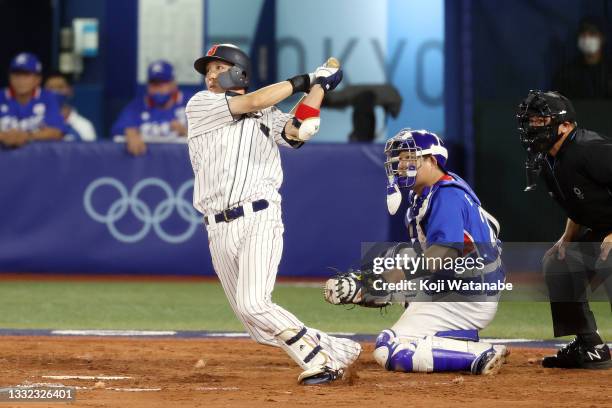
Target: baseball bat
(330, 63)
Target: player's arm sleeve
(207, 111)
(598, 163)
(87, 131)
(128, 118)
(277, 120)
(179, 114)
(83, 128)
(445, 222)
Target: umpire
(576, 165)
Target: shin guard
(427, 354)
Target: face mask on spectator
(62, 99)
(589, 44)
(160, 99)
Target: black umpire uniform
(579, 177)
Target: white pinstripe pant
(245, 254)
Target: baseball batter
(446, 221)
(233, 145)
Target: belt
(236, 212)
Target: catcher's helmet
(418, 142)
(538, 138)
(236, 77)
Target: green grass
(202, 306)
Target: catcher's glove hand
(357, 288)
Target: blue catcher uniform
(443, 336)
(450, 214)
(41, 111)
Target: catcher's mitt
(357, 288)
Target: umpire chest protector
(579, 178)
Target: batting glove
(328, 78)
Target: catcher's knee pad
(426, 354)
(304, 348)
(398, 354)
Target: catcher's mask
(539, 116)
(404, 156)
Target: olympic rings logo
(150, 218)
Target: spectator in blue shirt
(79, 128)
(28, 112)
(158, 116)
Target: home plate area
(175, 371)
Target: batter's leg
(224, 243)
(258, 264)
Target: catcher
(445, 221)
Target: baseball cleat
(504, 350)
(320, 375)
(575, 354)
(489, 362)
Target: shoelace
(572, 345)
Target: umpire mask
(539, 116)
(537, 133)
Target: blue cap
(26, 62)
(161, 71)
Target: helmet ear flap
(233, 78)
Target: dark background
(502, 49)
(25, 25)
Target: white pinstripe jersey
(235, 159)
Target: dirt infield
(240, 373)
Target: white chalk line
(86, 377)
(161, 333)
(224, 334)
(134, 389)
(228, 335)
(113, 333)
(82, 377)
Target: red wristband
(304, 112)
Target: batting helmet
(238, 75)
